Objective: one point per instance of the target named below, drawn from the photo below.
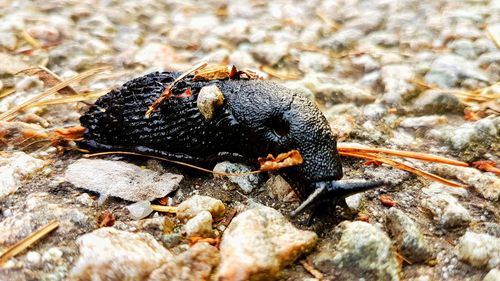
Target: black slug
(255, 118)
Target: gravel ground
(410, 75)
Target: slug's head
(278, 120)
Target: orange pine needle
(401, 153)
(401, 166)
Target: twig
(168, 90)
(164, 209)
(312, 270)
(28, 241)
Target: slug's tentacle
(333, 190)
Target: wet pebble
(258, 243)
(121, 179)
(407, 236)
(197, 204)
(110, 254)
(139, 210)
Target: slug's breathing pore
(252, 118)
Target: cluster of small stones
(356, 58)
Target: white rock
(85, 199)
(354, 201)
(33, 258)
(445, 207)
(53, 255)
(493, 275)
(479, 249)
(395, 80)
(197, 204)
(121, 179)
(110, 254)
(200, 225)
(15, 168)
(140, 210)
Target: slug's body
(256, 118)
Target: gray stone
(470, 140)
(14, 169)
(200, 225)
(464, 48)
(395, 80)
(342, 93)
(493, 275)
(110, 254)
(197, 204)
(270, 53)
(85, 200)
(310, 61)
(479, 249)
(362, 247)
(447, 211)
(121, 179)
(407, 236)
(246, 182)
(437, 101)
(447, 70)
(258, 243)
(341, 40)
(196, 264)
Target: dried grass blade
(48, 77)
(493, 37)
(312, 270)
(168, 90)
(402, 153)
(11, 113)
(402, 166)
(76, 98)
(164, 209)
(6, 92)
(172, 161)
(28, 241)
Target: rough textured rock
(436, 102)
(423, 121)
(447, 70)
(120, 179)
(486, 184)
(447, 211)
(196, 204)
(278, 188)
(258, 243)
(110, 254)
(246, 183)
(479, 249)
(196, 264)
(200, 225)
(363, 252)
(407, 236)
(15, 168)
(396, 86)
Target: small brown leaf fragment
(212, 241)
(229, 217)
(216, 72)
(387, 201)
(106, 218)
(487, 166)
(470, 115)
(283, 160)
(163, 201)
(71, 133)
